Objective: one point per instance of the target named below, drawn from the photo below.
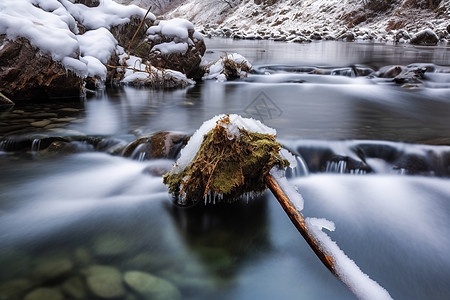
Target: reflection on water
(62, 214)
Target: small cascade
(141, 156)
(300, 170)
(3, 145)
(35, 145)
(141, 153)
(336, 167)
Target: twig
(6, 99)
(299, 222)
(137, 30)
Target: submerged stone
(105, 282)
(45, 294)
(15, 289)
(151, 287)
(74, 288)
(49, 268)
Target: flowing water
(372, 158)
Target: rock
(160, 145)
(231, 67)
(89, 3)
(45, 294)
(150, 286)
(50, 267)
(315, 36)
(425, 37)
(25, 72)
(105, 282)
(42, 123)
(14, 289)
(82, 256)
(110, 245)
(181, 51)
(390, 71)
(347, 36)
(413, 75)
(401, 36)
(74, 288)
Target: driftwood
(299, 222)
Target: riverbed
(374, 158)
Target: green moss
(231, 167)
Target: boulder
(25, 72)
(173, 44)
(160, 145)
(425, 37)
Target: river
(375, 160)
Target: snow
(175, 28)
(237, 122)
(94, 67)
(171, 47)
(359, 283)
(51, 26)
(48, 31)
(107, 14)
(99, 43)
(138, 72)
(216, 70)
(288, 189)
(295, 20)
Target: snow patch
(360, 284)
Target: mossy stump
(226, 166)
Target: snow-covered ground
(327, 19)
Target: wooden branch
(299, 222)
(137, 30)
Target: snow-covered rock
(425, 37)
(55, 47)
(174, 44)
(232, 66)
(49, 47)
(137, 72)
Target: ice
(190, 150)
(347, 270)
